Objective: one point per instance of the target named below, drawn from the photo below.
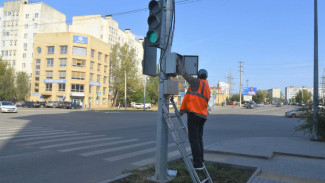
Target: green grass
(220, 173)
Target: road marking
(46, 137)
(18, 155)
(116, 149)
(63, 139)
(133, 154)
(20, 128)
(153, 160)
(80, 142)
(97, 145)
(19, 136)
(29, 132)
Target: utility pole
(323, 86)
(125, 91)
(144, 93)
(240, 85)
(230, 79)
(315, 99)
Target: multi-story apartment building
(70, 67)
(19, 22)
(291, 92)
(107, 30)
(274, 94)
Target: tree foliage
(260, 96)
(7, 84)
(234, 97)
(22, 85)
(123, 61)
(304, 96)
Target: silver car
(300, 112)
(8, 107)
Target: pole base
(154, 180)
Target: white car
(138, 105)
(8, 107)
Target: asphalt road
(57, 145)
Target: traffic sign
(99, 93)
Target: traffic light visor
(154, 6)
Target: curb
(240, 154)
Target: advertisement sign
(94, 83)
(248, 98)
(80, 39)
(248, 91)
(54, 80)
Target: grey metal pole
(315, 118)
(144, 93)
(125, 91)
(162, 129)
(240, 84)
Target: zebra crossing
(84, 144)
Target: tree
(260, 96)
(234, 97)
(123, 60)
(7, 85)
(22, 85)
(303, 96)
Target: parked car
(251, 105)
(52, 104)
(64, 104)
(300, 112)
(32, 104)
(279, 104)
(301, 104)
(260, 104)
(138, 105)
(19, 103)
(8, 107)
(75, 106)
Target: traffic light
(155, 23)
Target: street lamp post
(125, 91)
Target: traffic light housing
(155, 23)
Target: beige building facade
(20, 20)
(70, 67)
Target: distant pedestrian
(119, 105)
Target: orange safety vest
(197, 102)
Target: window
(24, 54)
(49, 74)
(36, 78)
(104, 90)
(36, 90)
(90, 88)
(78, 63)
(63, 62)
(105, 68)
(37, 73)
(91, 65)
(36, 15)
(78, 75)
(77, 88)
(106, 58)
(25, 35)
(38, 66)
(61, 87)
(63, 49)
(99, 55)
(92, 53)
(62, 74)
(26, 26)
(27, 16)
(25, 46)
(79, 51)
(98, 78)
(104, 80)
(50, 50)
(103, 101)
(97, 100)
(48, 86)
(23, 65)
(37, 85)
(98, 67)
(50, 62)
(35, 25)
(38, 61)
(91, 75)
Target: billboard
(248, 91)
(80, 39)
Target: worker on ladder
(195, 104)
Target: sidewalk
(278, 159)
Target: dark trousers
(195, 133)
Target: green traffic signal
(152, 37)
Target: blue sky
(274, 38)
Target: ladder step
(205, 180)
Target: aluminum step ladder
(180, 135)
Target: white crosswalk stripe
(63, 139)
(29, 132)
(92, 153)
(34, 135)
(97, 145)
(134, 154)
(47, 137)
(80, 142)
